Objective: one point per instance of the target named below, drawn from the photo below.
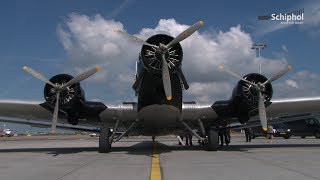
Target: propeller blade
(236, 75)
(166, 79)
(81, 77)
(55, 114)
(134, 38)
(38, 75)
(186, 33)
(262, 113)
(278, 75)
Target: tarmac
(136, 158)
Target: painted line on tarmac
(155, 164)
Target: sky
(72, 36)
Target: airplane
(160, 109)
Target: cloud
(312, 19)
(291, 83)
(90, 41)
(300, 84)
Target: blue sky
(30, 34)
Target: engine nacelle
(152, 59)
(68, 97)
(72, 103)
(245, 96)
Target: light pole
(258, 47)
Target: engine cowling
(151, 58)
(245, 97)
(68, 97)
(71, 99)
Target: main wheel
(104, 143)
(213, 140)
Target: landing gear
(153, 138)
(104, 143)
(213, 140)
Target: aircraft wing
(278, 111)
(24, 110)
(34, 114)
(288, 107)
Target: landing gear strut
(104, 143)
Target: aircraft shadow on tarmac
(145, 148)
(247, 147)
(54, 151)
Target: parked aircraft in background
(5, 131)
(160, 109)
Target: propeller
(166, 78)
(260, 87)
(162, 49)
(58, 88)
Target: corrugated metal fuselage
(154, 110)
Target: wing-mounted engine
(71, 95)
(72, 101)
(64, 96)
(245, 96)
(251, 96)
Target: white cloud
(300, 84)
(292, 83)
(90, 41)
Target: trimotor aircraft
(160, 109)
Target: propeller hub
(260, 86)
(162, 50)
(253, 90)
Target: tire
(303, 137)
(104, 144)
(317, 134)
(213, 140)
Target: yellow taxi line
(155, 164)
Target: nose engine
(152, 57)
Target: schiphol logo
(295, 17)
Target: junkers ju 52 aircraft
(160, 109)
